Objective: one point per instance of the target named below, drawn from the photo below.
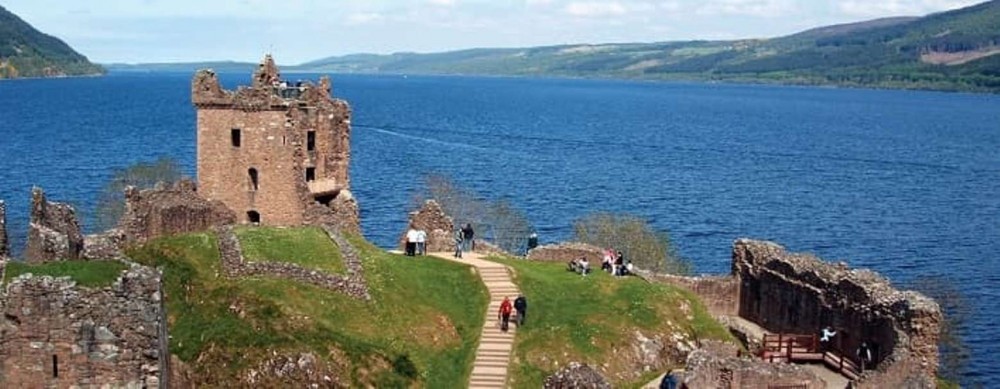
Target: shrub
(639, 242)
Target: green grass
(92, 274)
(308, 247)
(591, 319)
(420, 329)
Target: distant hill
(185, 67)
(955, 50)
(27, 52)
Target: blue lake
(906, 183)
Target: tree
(955, 308)
(499, 222)
(639, 242)
(142, 175)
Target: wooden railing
(792, 348)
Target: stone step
(493, 358)
(488, 384)
(505, 347)
(489, 372)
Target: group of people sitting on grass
(613, 262)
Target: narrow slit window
(311, 141)
(310, 174)
(254, 183)
(235, 137)
(55, 366)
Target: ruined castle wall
(707, 368)
(266, 145)
(565, 252)
(720, 294)
(54, 233)
(439, 227)
(169, 210)
(794, 293)
(57, 334)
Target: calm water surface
(906, 183)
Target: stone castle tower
(273, 151)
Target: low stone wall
(57, 334)
(234, 265)
(797, 293)
(54, 233)
(565, 252)
(168, 210)
(104, 246)
(706, 368)
(720, 294)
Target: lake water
(906, 183)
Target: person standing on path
(411, 242)
(458, 243)
(521, 306)
(467, 237)
(421, 242)
(504, 314)
(864, 356)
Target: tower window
(253, 217)
(310, 174)
(254, 183)
(234, 136)
(311, 140)
(55, 366)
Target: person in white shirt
(411, 242)
(421, 239)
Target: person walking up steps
(467, 237)
(521, 306)
(504, 314)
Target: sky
(296, 31)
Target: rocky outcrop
(168, 210)
(57, 334)
(4, 246)
(439, 227)
(797, 293)
(54, 233)
(712, 368)
(565, 252)
(576, 376)
(353, 284)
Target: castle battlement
(272, 149)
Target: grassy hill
(595, 319)
(420, 329)
(27, 52)
(956, 50)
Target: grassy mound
(592, 319)
(420, 329)
(308, 247)
(93, 274)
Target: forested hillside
(27, 52)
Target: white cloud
(759, 8)
(881, 8)
(442, 3)
(591, 9)
(363, 18)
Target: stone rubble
(576, 376)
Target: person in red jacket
(504, 314)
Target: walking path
(493, 356)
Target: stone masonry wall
(57, 334)
(274, 127)
(706, 369)
(353, 284)
(720, 294)
(54, 233)
(565, 252)
(170, 210)
(439, 227)
(796, 293)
